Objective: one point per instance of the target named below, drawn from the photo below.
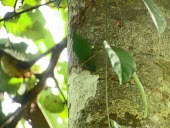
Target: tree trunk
(129, 27)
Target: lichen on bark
(82, 87)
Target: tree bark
(129, 27)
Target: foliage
(156, 15)
(82, 50)
(8, 2)
(124, 66)
(27, 24)
(81, 47)
(51, 117)
(122, 62)
(53, 103)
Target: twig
(16, 1)
(47, 73)
(10, 119)
(56, 51)
(60, 89)
(26, 10)
(90, 58)
(28, 64)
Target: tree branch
(60, 89)
(27, 64)
(15, 5)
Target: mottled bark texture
(129, 27)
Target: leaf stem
(142, 92)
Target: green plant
(82, 50)
(122, 62)
(124, 66)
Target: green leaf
(30, 2)
(64, 3)
(4, 42)
(31, 25)
(5, 85)
(82, 50)
(57, 3)
(37, 32)
(51, 117)
(156, 15)
(8, 2)
(19, 25)
(122, 62)
(53, 103)
(20, 47)
(81, 47)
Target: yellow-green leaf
(8, 2)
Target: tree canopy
(32, 39)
